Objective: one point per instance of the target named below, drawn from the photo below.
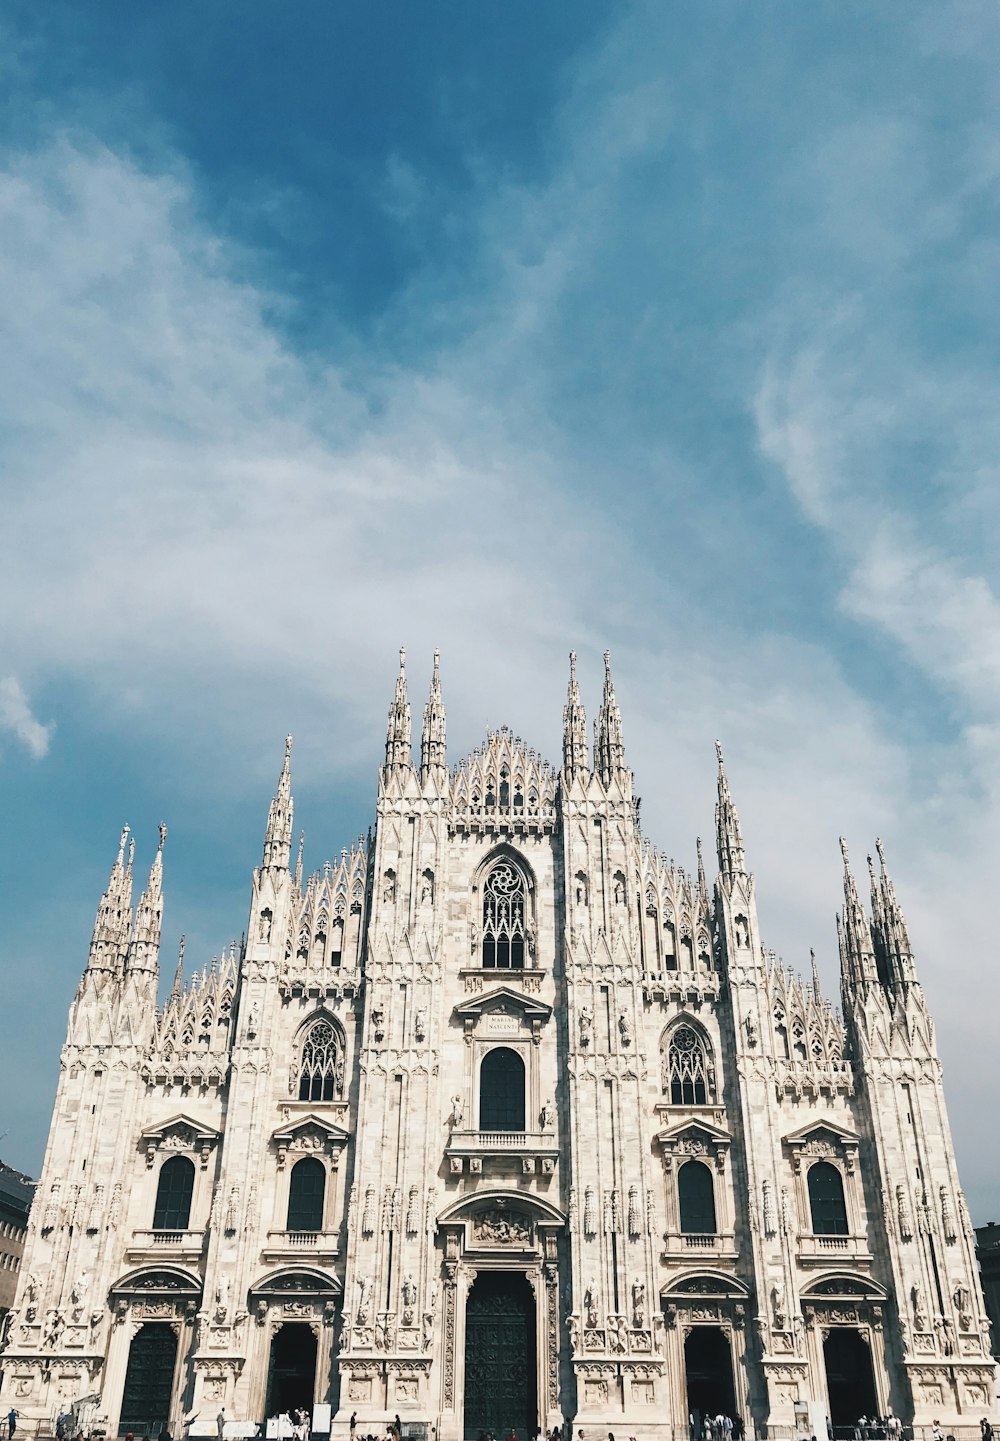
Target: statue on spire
(728, 838)
(278, 836)
(609, 747)
(433, 747)
(575, 758)
(398, 744)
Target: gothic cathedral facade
(500, 1120)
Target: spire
(892, 941)
(702, 879)
(298, 863)
(278, 836)
(113, 923)
(177, 987)
(398, 748)
(728, 840)
(433, 747)
(145, 947)
(575, 758)
(857, 959)
(609, 748)
(817, 993)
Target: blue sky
(331, 327)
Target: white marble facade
(501, 1047)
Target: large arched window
(501, 1091)
(174, 1190)
(321, 1073)
(826, 1200)
(306, 1189)
(686, 1072)
(696, 1196)
(505, 898)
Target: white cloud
(17, 718)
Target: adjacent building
(16, 1192)
(501, 1118)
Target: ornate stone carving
(501, 1227)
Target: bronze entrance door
(500, 1390)
(149, 1379)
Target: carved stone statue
(420, 1023)
(590, 1302)
(586, 1025)
(364, 1286)
(378, 1022)
(778, 1307)
(409, 1291)
(221, 1299)
(546, 1115)
(919, 1311)
(457, 1111)
(750, 1026)
(638, 1303)
(625, 1029)
(428, 1331)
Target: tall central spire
(728, 839)
(113, 923)
(398, 744)
(278, 836)
(575, 758)
(609, 748)
(145, 948)
(433, 747)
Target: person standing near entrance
(11, 1423)
(220, 1423)
(354, 1423)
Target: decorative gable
(310, 1135)
(182, 1134)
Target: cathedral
(499, 1120)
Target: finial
(121, 844)
(402, 657)
(815, 973)
(572, 665)
(607, 664)
(163, 835)
(288, 747)
(881, 852)
(131, 852)
(718, 753)
(843, 852)
(437, 664)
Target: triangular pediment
(310, 1125)
(180, 1127)
(694, 1130)
(504, 1000)
(822, 1131)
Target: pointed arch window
(174, 1189)
(696, 1199)
(306, 1190)
(826, 1200)
(504, 909)
(321, 1071)
(687, 1073)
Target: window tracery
(687, 1074)
(504, 917)
(321, 1070)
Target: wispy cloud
(18, 719)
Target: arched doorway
(500, 1378)
(291, 1369)
(708, 1372)
(149, 1380)
(850, 1380)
